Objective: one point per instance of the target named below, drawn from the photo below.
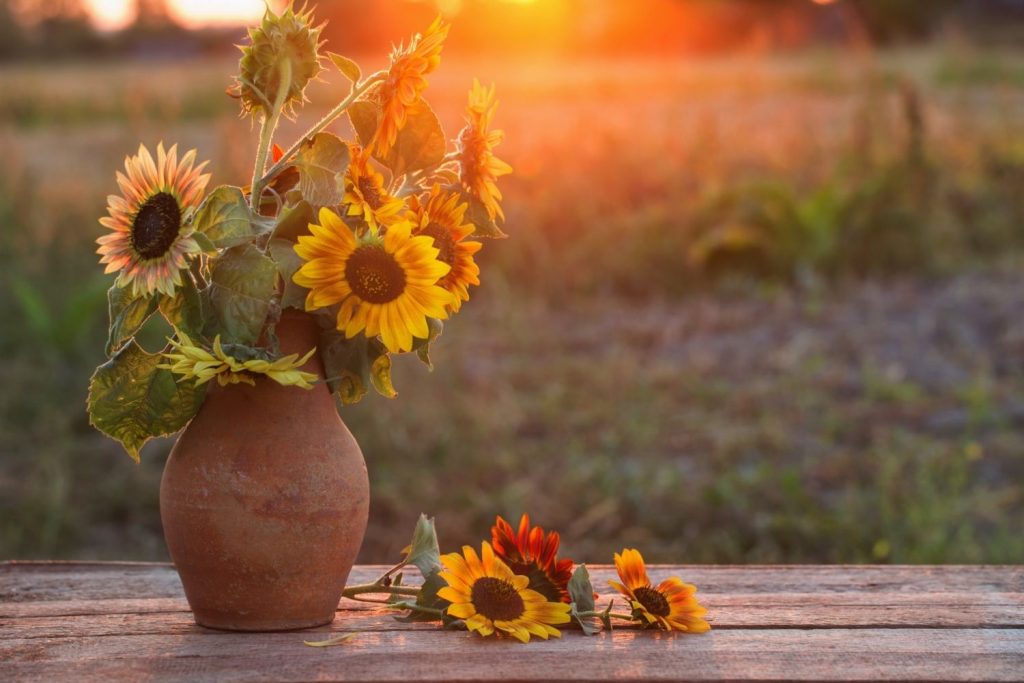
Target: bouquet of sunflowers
(375, 236)
(518, 586)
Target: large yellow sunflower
(490, 598)
(366, 195)
(442, 216)
(406, 80)
(671, 605)
(386, 285)
(479, 168)
(150, 238)
(194, 362)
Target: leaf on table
(581, 591)
(334, 640)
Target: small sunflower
(386, 285)
(194, 362)
(366, 195)
(671, 605)
(150, 239)
(530, 553)
(442, 217)
(406, 80)
(479, 168)
(485, 592)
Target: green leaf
(185, 310)
(428, 597)
(346, 66)
(424, 551)
(477, 215)
(380, 376)
(224, 219)
(132, 400)
(287, 262)
(581, 591)
(345, 365)
(242, 283)
(293, 222)
(127, 315)
(420, 144)
(333, 640)
(422, 346)
(322, 162)
(204, 243)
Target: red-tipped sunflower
(671, 605)
(365, 194)
(529, 552)
(479, 168)
(406, 80)
(150, 238)
(442, 216)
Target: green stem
(616, 615)
(267, 133)
(352, 591)
(357, 90)
(419, 608)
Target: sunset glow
(114, 14)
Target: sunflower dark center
(371, 193)
(497, 599)
(653, 601)
(156, 225)
(443, 242)
(374, 275)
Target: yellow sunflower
(671, 605)
(479, 168)
(365, 194)
(406, 80)
(485, 592)
(386, 285)
(150, 239)
(442, 217)
(195, 362)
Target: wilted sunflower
(405, 81)
(442, 217)
(530, 553)
(151, 239)
(195, 362)
(386, 285)
(366, 195)
(671, 605)
(479, 168)
(490, 598)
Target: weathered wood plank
(825, 655)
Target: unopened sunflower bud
(289, 37)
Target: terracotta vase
(264, 501)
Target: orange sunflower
(366, 195)
(479, 168)
(671, 605)
(150, 239)
(491, 599)
(406, 80)
(386, 285)
(530, 553)
(442, 217)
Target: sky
(113, 14)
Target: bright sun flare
(112, 14)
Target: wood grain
(126, 621)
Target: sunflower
(365, 193)
(442, 217)
(530, 553)
(195, 362)
(150, 238)
(671, 605)
(386, 285)
(485, 592)
(479, 168)
(405, 81)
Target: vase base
(236, 623)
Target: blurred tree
(153, 15)
(12, 40)
(891, 21)
(55, 28)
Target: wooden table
(126, 621)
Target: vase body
(264, 500)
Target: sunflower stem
(267, 129)
(602, 613)
(357, 90)
(418, 608)
(378, 587)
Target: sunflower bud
(289, 37)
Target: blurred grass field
(751, 310)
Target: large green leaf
(483, 224)
(420, 144)
(322, 162)
(243, 281)
(127, 314)
(184, 310)
(581, 592)
(293, 222)
(132, 400)
(224, 218)
(287, 262)
(423, 551)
